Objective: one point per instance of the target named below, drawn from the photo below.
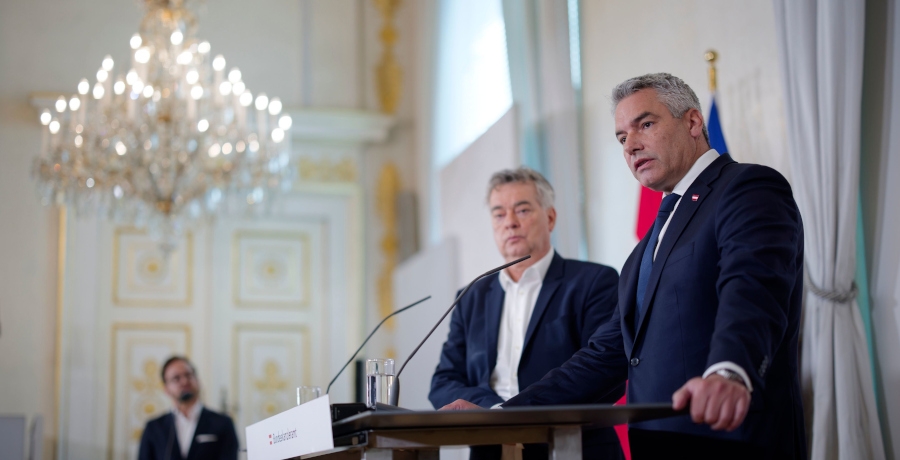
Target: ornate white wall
(313, 54)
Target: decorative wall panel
(251, 296)
(269, 362)
(137, 395)
(146, 277)
(272, 269)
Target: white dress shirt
(518, 304)
(185, 426)
(681, 188)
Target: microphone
(395, 385)
(370, 336)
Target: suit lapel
(493, 309)
(685, 211)
(552, 281)
(628, 295)
(172, 437)
(202, 427)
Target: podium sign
(302, 430)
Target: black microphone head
(186, 396)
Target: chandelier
(171, 140)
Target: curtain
(880, 189)
(821, 51)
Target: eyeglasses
(178, 378)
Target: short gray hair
(524, 175)
(673, 92)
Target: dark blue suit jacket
(726, 285)
(575, 299)
(214, 439)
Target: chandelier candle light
(172, 140)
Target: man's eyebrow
(518, 203)
(640, 117)
(635, 121)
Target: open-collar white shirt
(518, 304)
(681, 188)
(185, 426)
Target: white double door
(261, 305)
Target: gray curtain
(821, 47)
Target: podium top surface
(588, 414)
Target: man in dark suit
(190, 431)
(709, 301)
(514, 327)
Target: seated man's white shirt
(185, 426)
(518, 304)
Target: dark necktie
(665, 208)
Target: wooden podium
(400, 434)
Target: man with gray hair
(709, 301)
(514, 327)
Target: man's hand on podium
(461, 404)
(720, 402)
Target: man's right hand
(718, 402)
(461, 404)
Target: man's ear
(694, 120)
(551, 214)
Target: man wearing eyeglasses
(190, 431)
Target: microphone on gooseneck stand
(343, 410)
(370, 336)
(395, 385)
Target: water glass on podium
(306, 394)
(379, 378)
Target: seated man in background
(190, 431)
(517, 325)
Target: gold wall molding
(270, 385)
(388, 188)
(60, 299)
(388, 74)
(305, 264)
(274, 379)
(151, 266)
(148, 386)
(143, 383)
(326, 170)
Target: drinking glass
(306, 394)
(379, 377)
